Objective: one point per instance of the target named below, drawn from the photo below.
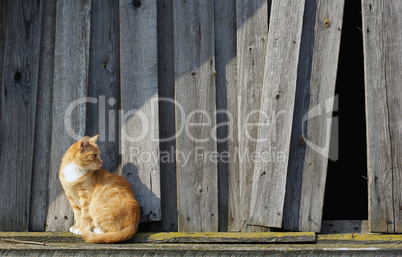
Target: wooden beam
(178, 237)
(180, 244)
(194, 63)
(312, 120)
(276, 113)
(382, 36)
(358, 238)
(139, 105)
(19, 90)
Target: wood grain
(18, 107)
(275, 121)
(43, 126)
(194, 64)
(225, 238)
(311, 131)
(226, 84)
(382, 36)
(175, 238)
(252, 36)
(167, 121)
(71, 63)
(139, 105)
(344, 226)
(3, 21)
(103, 81)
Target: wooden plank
(167, 129)
(63, 244)
(311, 131)
(344, 226)
(226, 83)
(382, 36)
(43, 126)
(139, 94)
(275, 123)
(71, 63)
(367, 239)
(245, 99)
(194, 64)
(215, 250)
(177, 238)
(3, 21)
(225, 237)
(103, 81)
(18, 107)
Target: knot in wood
(200, 191)
(278, 96)
(17, 77)
(137, 3)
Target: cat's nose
(101, 161)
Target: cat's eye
(95, 155)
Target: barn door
(382, 35)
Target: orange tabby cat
(105, 210)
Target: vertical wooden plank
(226, 83)
(139, 94)
(245, 99)
(19, 95)
(275, 123)
(311, 131)
(167, 115)
(194, 63)
(382, 36)
(167, 130)
(3, 22)
(43, 126)
(69, 108)
(103, 80)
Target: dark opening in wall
(346, 195)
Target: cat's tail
(110, 237)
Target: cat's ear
(94, 139)
(84, 143)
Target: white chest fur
(72, 172)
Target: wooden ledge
(211, 244)
(360, 239)
(176, 237)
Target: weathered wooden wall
(314, 102)
(239, 138)
(382, 36)
(18, 110)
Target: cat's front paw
(75, 230)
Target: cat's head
(86, 154)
